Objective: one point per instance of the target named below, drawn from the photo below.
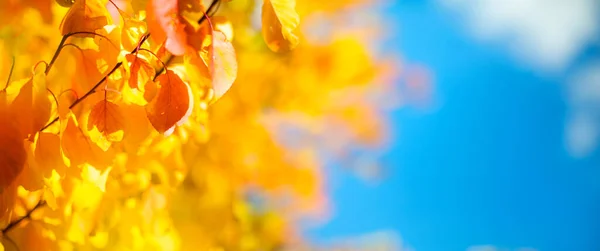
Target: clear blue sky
(487, 166)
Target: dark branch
(14, 224)
(93, 89)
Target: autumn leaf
(279, 22)
(109, 120)
(12, 152)
(31, 108)
(47, 153)
(132, 32)
(84, 16)
(79, 148)
(223, 64)
(90, 68)
(172, 105)
(140, 71)
(164, 24)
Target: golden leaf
(223, 64)
(279, 22)
(84, 16)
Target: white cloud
(583, 125)
(546, 34)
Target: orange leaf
(172, 105)
(90, 68)
(31, 108)
(279, 21)
(84, 16)
(164, 23)
(108, 118)
(223, 64)
(47, 153)
(140, 71)
(79, 148)
(12, 152)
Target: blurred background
(502, 151)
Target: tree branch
(93, 89)
(13, 224)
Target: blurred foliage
(181, 124)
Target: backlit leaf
(31, 108)
(172, 105)
(84, 16)
(140, 71)
(108, 119)
(79, 148)
(132, 32)
(279, 22)
(164, 24)
(223, 64)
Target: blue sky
(488, 164)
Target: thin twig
(13, 224)
(56, 53)
(93, 89)
(12, 67)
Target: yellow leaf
(84, 16)
(132, 32)
(223, 64)
(172, 105)
(53, 190)
(279, 21)
(95, 177)
(222, 24)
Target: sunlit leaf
(140, 71)
(31, 108)
(172, 105)
(279, 22)
(79, 148)
(223, 64)
(109, 120)
(165, 25)
(85, 16)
